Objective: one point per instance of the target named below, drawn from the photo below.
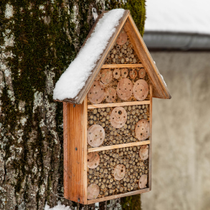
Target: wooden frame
(75, 149)
(75, 117)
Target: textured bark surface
(38, 40)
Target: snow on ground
(74, 78)
(58, 207)
(190, 16)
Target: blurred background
(177, 34)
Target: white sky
(178, 16)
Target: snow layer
(58, 207)
(75, 76)
(187, 16)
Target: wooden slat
(85, 148)
(112, 66)
(132, 103)
(118, 196)
(66, 176)
(97, 149)
(161, 89)
(75, 152)
(150, 147)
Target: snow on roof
(75, 76)
(187, 16)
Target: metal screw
(76, 148)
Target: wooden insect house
(107, 96)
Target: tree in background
(38, 40)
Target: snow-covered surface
(75, 76)
(58, 207)
(190, 16)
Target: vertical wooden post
(75, 151)
(150, 146)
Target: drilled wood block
(120, 171)
(115, 133)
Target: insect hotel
(107, 96)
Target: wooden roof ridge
(160, 87)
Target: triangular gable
(126, 22)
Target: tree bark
(38, 40)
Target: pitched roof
(76, 81)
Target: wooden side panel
(75, 151)
(150, 148)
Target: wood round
(106, 76)
(92, 191)
(142, 129)
(142, 73)
(119, 172)
(140, 89)
(98, 77)
(93, 160)
(133, 74)
(96, 93)
(116, 73)
(118, 117)
(124, 73)
(96, 135)
(110, 95)
(143, 181)
(144, 152)
(124, 89)
(122, 38)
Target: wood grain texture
(75, 152)
(160, 89)
(118, 196)
(119, 146)
(118, 104)
(113, 66)
(150, 147)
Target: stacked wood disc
(96, 93)
(140, 89)
(118, 117)
(120, 130)
(106, 76)
(144, 152)
(110, 95)
(96, 135)
(124, 89)
(119, 85)
(93, 160)
(119, 171)
(92, 191)
(142, 129)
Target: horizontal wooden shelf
(118, 196)
(97, 149)
(132, 103)
(112, 66)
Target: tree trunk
(38, 40)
